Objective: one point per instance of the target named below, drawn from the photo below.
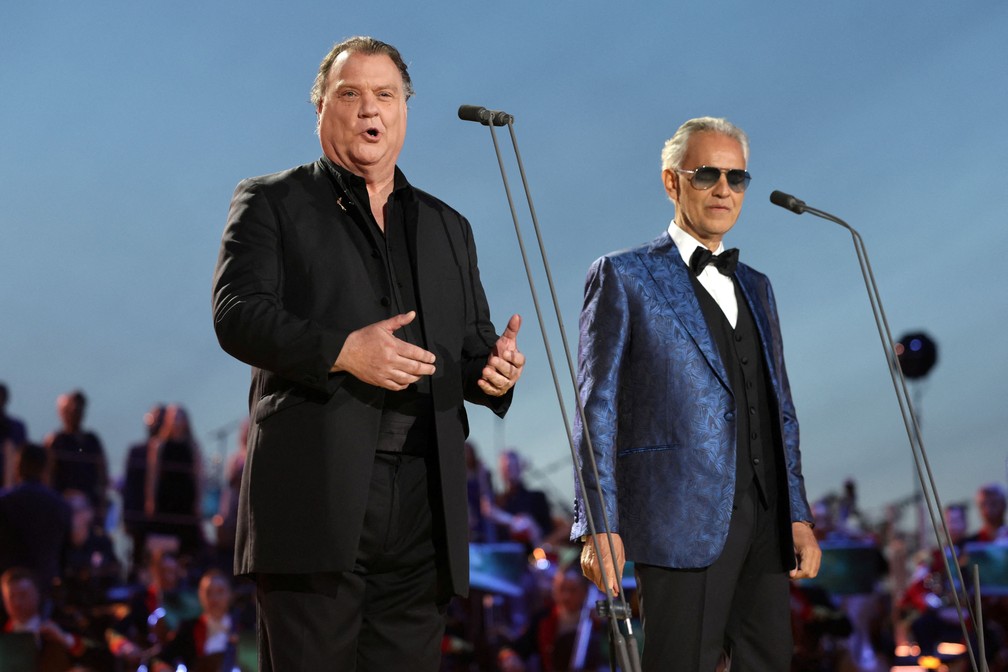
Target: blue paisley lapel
(671, 276)
(749, 283)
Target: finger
(513, 325)
(397, 321)
(408, 351)
(497, 374)
(500, 366)
(488, 388)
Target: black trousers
(739, 604)
(382, 616)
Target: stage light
(917, 354)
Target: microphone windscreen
(473, 113)
(787, 201)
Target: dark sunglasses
(706, 177)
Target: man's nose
(721, 187)
(369, 105)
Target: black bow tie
(724, 262)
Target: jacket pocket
(277, 401)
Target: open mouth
(373, 132)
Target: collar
(686, 243)
(349, 180)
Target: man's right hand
(591, 567)
(374, 355)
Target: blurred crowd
(130, 570)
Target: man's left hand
(808, 555)
(505, 363)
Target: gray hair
(675, 147)
(360, 45)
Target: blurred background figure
(76, 456)
(207, 643)
(90, 565)
(34, 521)
(136, 523)
(172, 492)
(926, 608)
(521, 514)
(55, 646)
(155, 611)
(990, 504)
(565, 634)
(13, 435)
(480, 495)
(226, 521)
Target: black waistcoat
(757, 456)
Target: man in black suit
(356, 299)
(34, 521)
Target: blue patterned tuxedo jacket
(660, 410)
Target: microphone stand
(903, 397)
(614, 608)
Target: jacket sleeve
(248, 311)
(604, 337)
(797, 498)
(480, 335)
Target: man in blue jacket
(690, 419)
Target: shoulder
(633, 256)
(304, 176)
(430, 202)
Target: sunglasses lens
(738, 180)
(706, 177)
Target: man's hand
(374, 355)
(592, 568)
(505, 363)
(807, 552)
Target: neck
(710, 243)
(378, 195)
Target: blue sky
(124, 127)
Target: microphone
(484, 116)
(929, 490)
(788, 201)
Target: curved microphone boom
(614, 607)
(921, 463)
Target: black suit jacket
(34, 530)
(298, 271)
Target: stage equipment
(917, 354)
(613, 608)
(910, 421)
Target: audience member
(76, 456)
(990, 503)
(480, 496)
(90, 567)
(13, 435)
(564, 636)
(524, 514)
(172, 493)
(135, 521)
(34, 521)
(209, 641)
(227, 518)
(155, 611)
(926, 607)
(23, 606)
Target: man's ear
(670, 179)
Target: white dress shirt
(717, 284)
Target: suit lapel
(749, 283)
(671, 276)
